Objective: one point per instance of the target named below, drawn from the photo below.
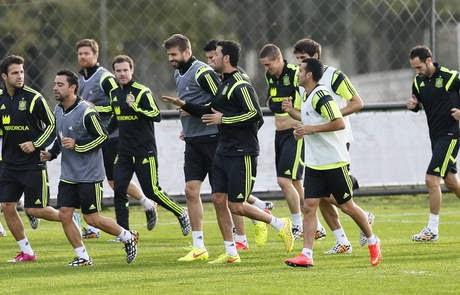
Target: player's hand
(181, 136)
(302, 130)
(174, 100)
(45, 156)
(412, 103)
(212, 119)
(27, 147)
(455, 113)
(68, 143)
(183, 113)
(286, 105)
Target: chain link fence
(368, 39)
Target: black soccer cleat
(151, 216)
(131, 246)
(184, 222)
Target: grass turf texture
(407, 268)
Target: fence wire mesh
(368, 39)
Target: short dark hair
(232, 49)
(88, 43)
(315, 67)
(177, 40)
(270, 50)
(307, 46)
(10, 60)
(123, 58)
(211, 45)
(420, 51)
(72, 78)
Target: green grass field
(407, 268)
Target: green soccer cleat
(196, 254)
(286, 234)
(226, 259)
(261, 233)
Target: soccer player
(195, 82)
(260, 228)
(326, 160)
(282, 83)
(96, 82)
(235, 109)
(436, 89)
(28, 126)
(80, 136)
(135, 112)
(349, 101)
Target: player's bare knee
(32, 211)
(236, 208)
(432, 182)
(284, 183)
(91, 219)
(192, 193)
(219, 200)
(348, 208)
(9, 206)
(451, 182)
(309, 207)
(65, 215)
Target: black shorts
(289, 155)
(32, 183)
(234, 176)
(109, 152)
(323, 183)
(87, 196)
(198, 158)
(444, 154)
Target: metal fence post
(433, 28)
(103, 32)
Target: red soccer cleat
(375, 253)
(300, 261)
(23, 257)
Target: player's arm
(146, 105)
(55, 150)
(328, 108)
(108, 83)
(208, 80)
(40, 109)
(97, 132)
(325, 106)
(413, 103)
(113, 124)
(197, 110)
(250, 110)
(342, 86)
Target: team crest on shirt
(286, 80)
(6, 119)
(130, 98)
(117, 110)
(438, 83)
(22, 105)
(273, 91)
